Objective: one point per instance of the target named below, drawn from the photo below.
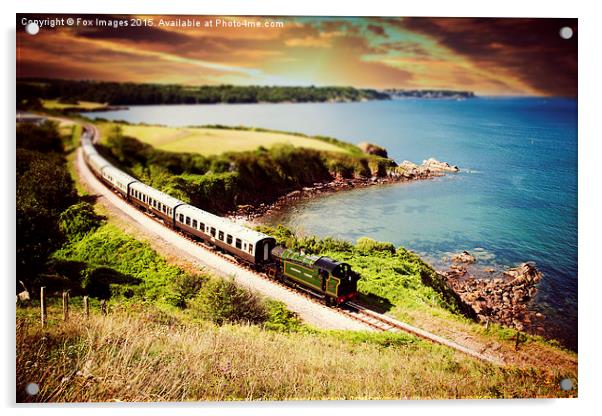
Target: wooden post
(65, 305)
(487, 325)
(86, 307)
(517, 340)
(43, 305)
(103, 307)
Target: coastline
(405, 172)
(500, 296)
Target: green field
(83, 105)
(213, 141)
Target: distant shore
(407, 172)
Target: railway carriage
(96, 163)
(157, 202)
(119, 180)
(249, 245)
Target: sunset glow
(487, 56)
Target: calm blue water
(515, 199)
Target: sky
(484, 55)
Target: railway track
(350, 309)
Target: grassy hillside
(399, 283)
(220, 183)
(214, 141)
(118, 358)
(81, 105)
(209, 339)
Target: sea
(514, 199)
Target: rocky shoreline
(504, 298)
(501, 297)
(405, 172)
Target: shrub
(280, 318)
(78, 220)
(222, 300)
(186, 286)
(367, 245)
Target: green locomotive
(326, 278)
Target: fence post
(103, 307)
(86, 307)
(65, 305)
(43, 305)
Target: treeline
(116, 93)
(220, 183)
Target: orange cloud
(475, 54)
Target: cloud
(493, 56)
(530, 50)
(377, 30)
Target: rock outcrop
(463, 257)
(501, 300)
(436, 166)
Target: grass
(82, 105)
(214, 141)
(397, 282)
(118, 358)
(117, 264)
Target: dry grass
(143, 354)
(208, 141)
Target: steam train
(330, 280)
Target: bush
(186, 286)
(78, 220)
(280, 318)
(221, 301)
(367, 245)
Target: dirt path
(161, 238)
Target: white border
(589, 190)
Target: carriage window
(244, 246)
(194, 224)
(221, 235)
(187, 220)
(181, 218)
(212, 231)
(202, 227)
(238, 243)
(251, 248)
(229, 239)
